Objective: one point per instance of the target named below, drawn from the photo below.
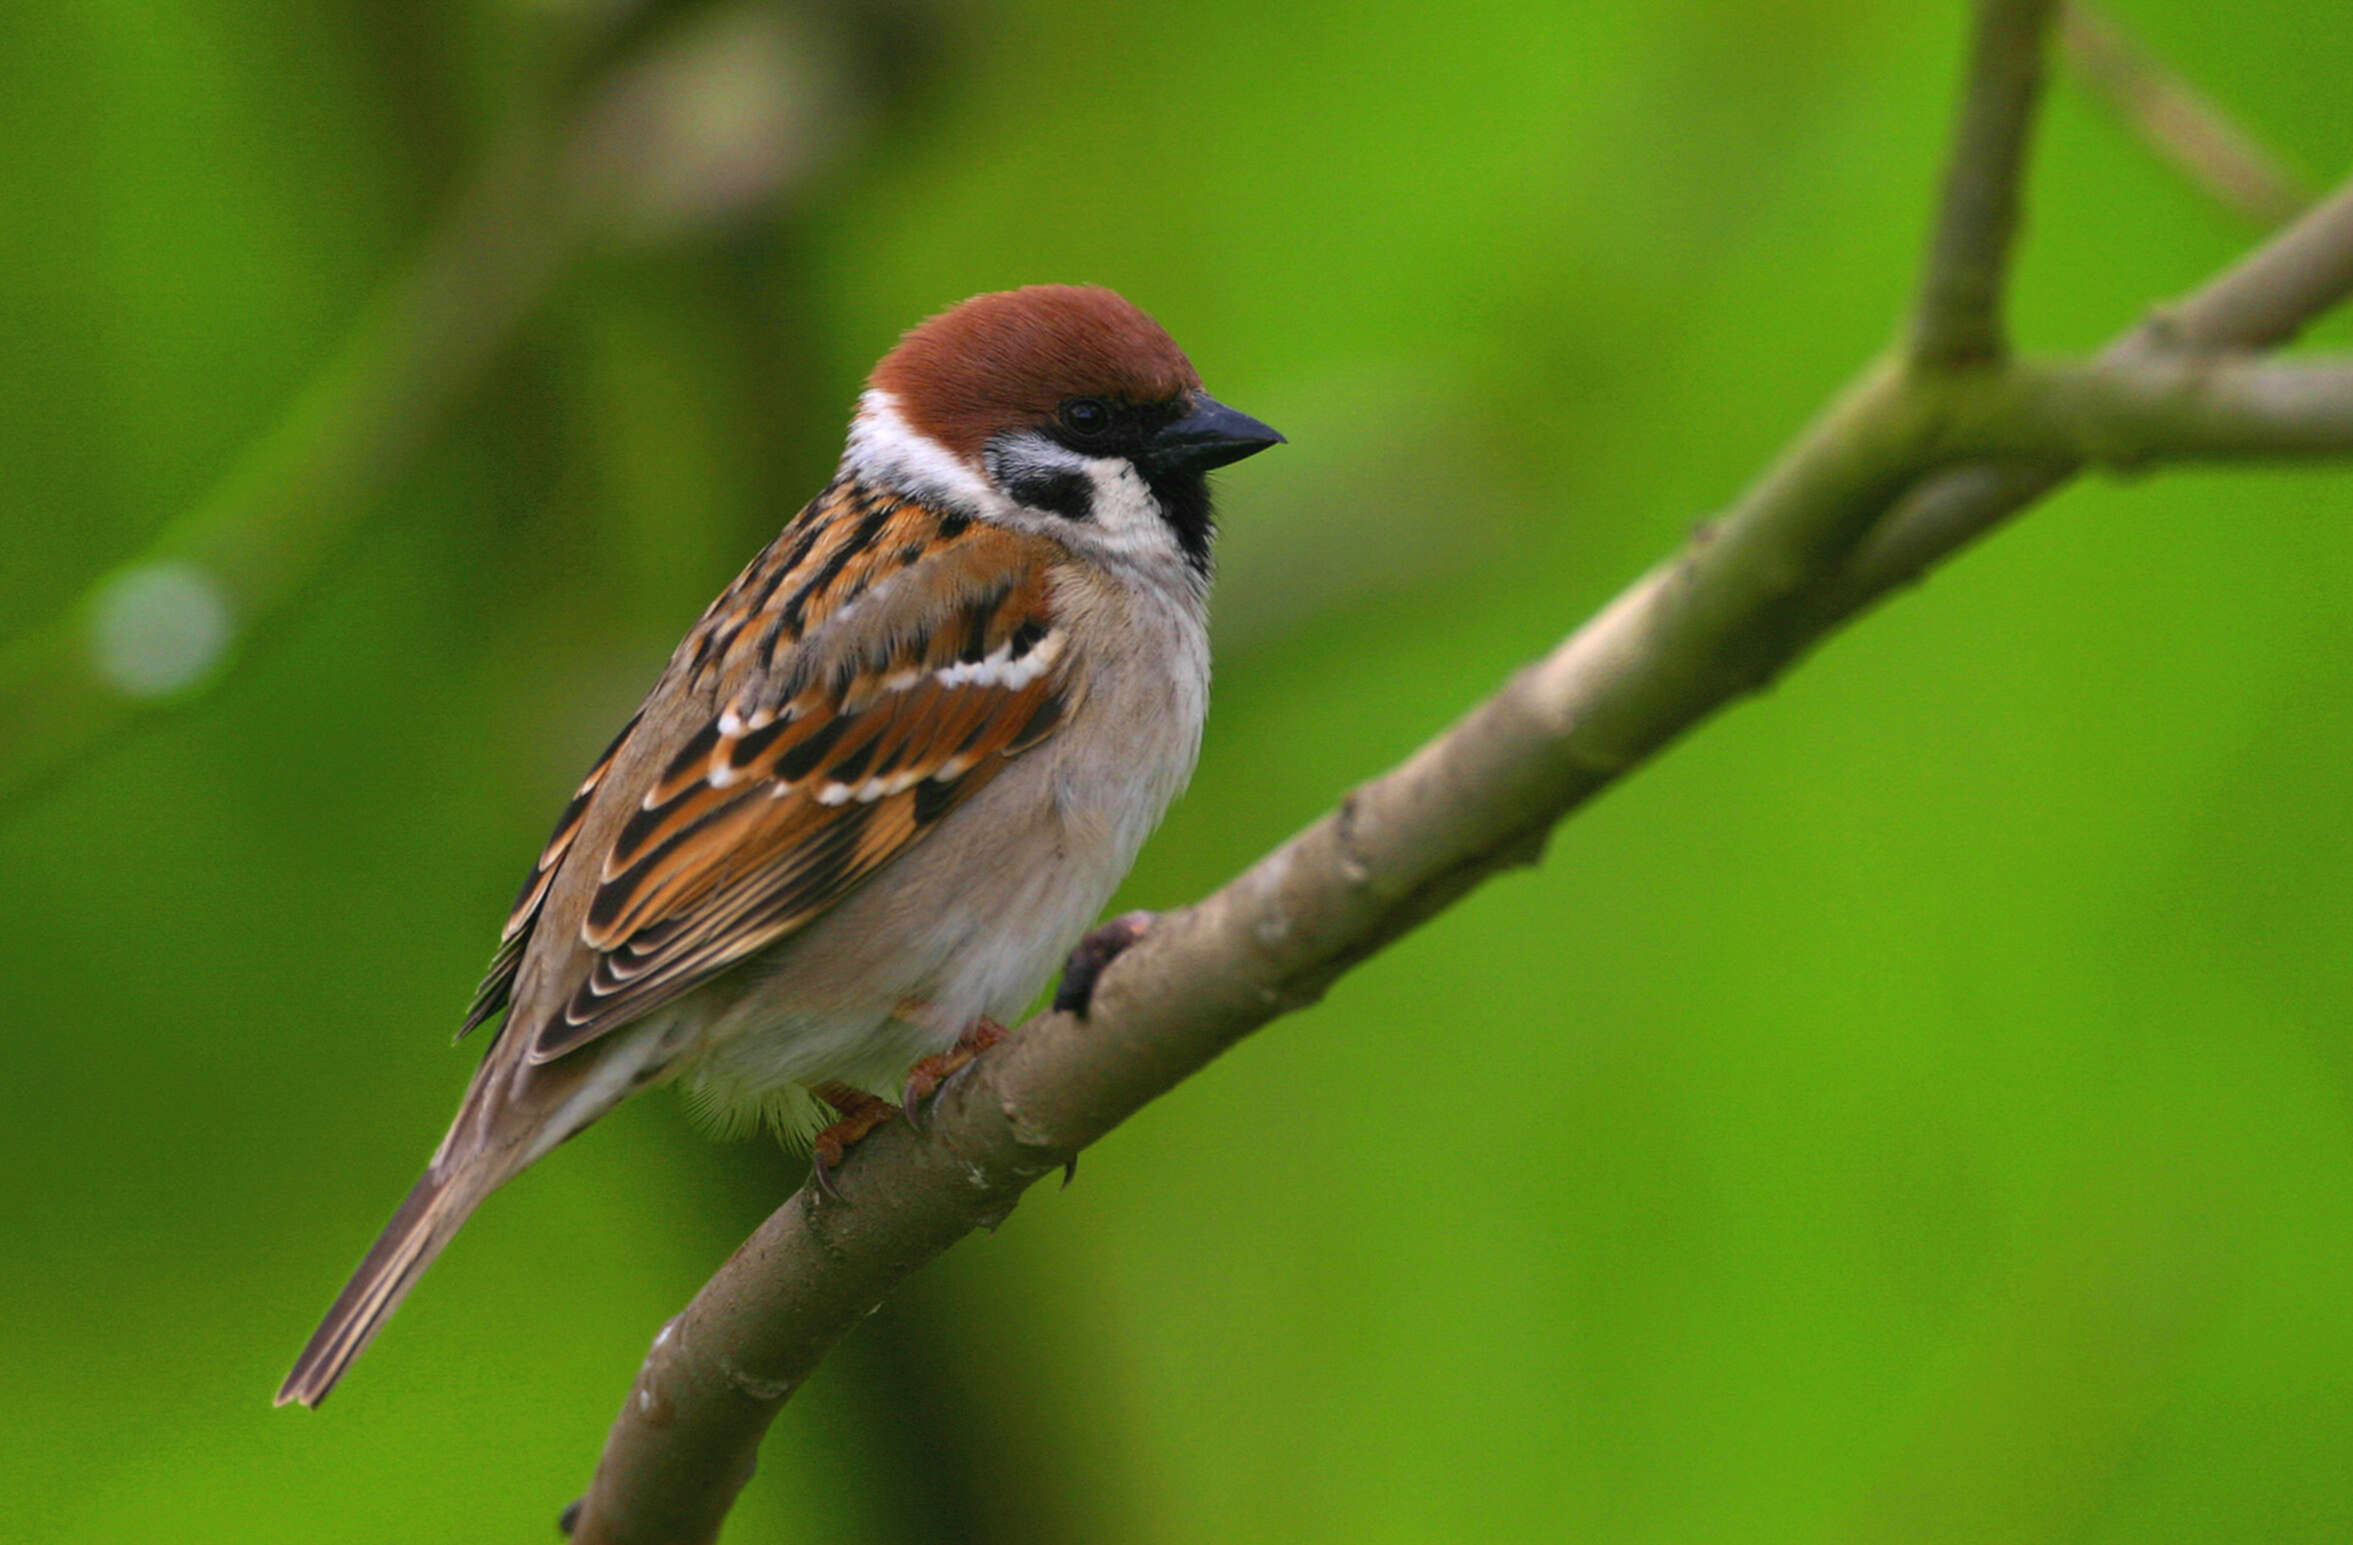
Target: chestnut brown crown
(1008, 360)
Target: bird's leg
(861, 1113)
(932, 1074)
(1096, 951)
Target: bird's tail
(514, 1112)
(440, 1201)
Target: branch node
(1290, 995)
(1029, 1134)
(815, 1210)
(2161, 332)
(1353, 868)
(766, 1391)
(1528, 851)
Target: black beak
(1209, 435)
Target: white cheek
(1125, 510)
(1123, 520)
(887, 449)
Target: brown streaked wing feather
(499, 980)
(843, 733)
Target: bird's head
(1056, 407)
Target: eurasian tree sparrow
(886, 781)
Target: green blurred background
(1915, 1109)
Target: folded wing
(871, 671)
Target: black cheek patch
(1057, 490)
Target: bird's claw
(821, 1176)
(924, 1091)
(861, 1113)
(1096, 951)
(931, 1078)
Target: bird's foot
(861, 1114)
(927, 1078)
(1096, 951)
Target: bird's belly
(967, 926)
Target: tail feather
(426, 1221)
(514, 1112)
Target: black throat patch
(1183, 497)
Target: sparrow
(885, 782)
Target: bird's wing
(874, 668)
(498, 983)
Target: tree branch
(2172, 407)
(2261, 302)
(1840, 519)
(1958, 321)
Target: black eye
(1086, 415)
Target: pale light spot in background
(158, 628)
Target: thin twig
(220, 570)
(234, 559)
(2261, 302)
(2185, 126)
(1958, 321)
